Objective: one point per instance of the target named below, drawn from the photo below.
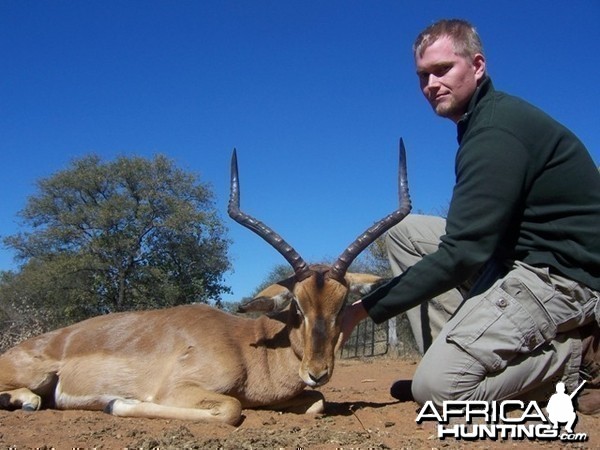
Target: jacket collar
(484, 88)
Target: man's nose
(433, 81)
(430, 85)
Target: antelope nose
(319, 378)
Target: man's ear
(479, 66)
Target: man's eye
(443, 70)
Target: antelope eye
(299, 312)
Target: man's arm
(485, 209)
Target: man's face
(448, 80)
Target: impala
(195, 362)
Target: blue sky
(313, 94)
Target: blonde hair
(464, 36)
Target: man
(521, 243)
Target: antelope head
(317, 294)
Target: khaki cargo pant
(514, 338)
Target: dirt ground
(360, 414)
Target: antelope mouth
(315, 379)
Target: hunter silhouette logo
(508, 419)
(560, 407)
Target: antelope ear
(363, 283)
(273, 298)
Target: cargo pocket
(506, 321)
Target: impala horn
(300, 267)
(340, 267)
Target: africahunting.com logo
(508, 419)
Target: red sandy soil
(360, 414)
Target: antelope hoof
(33, 405)
(108, 409)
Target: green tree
(114, 236)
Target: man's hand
(352, 315)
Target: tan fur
(190, 362)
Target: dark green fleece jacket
(526, 189)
